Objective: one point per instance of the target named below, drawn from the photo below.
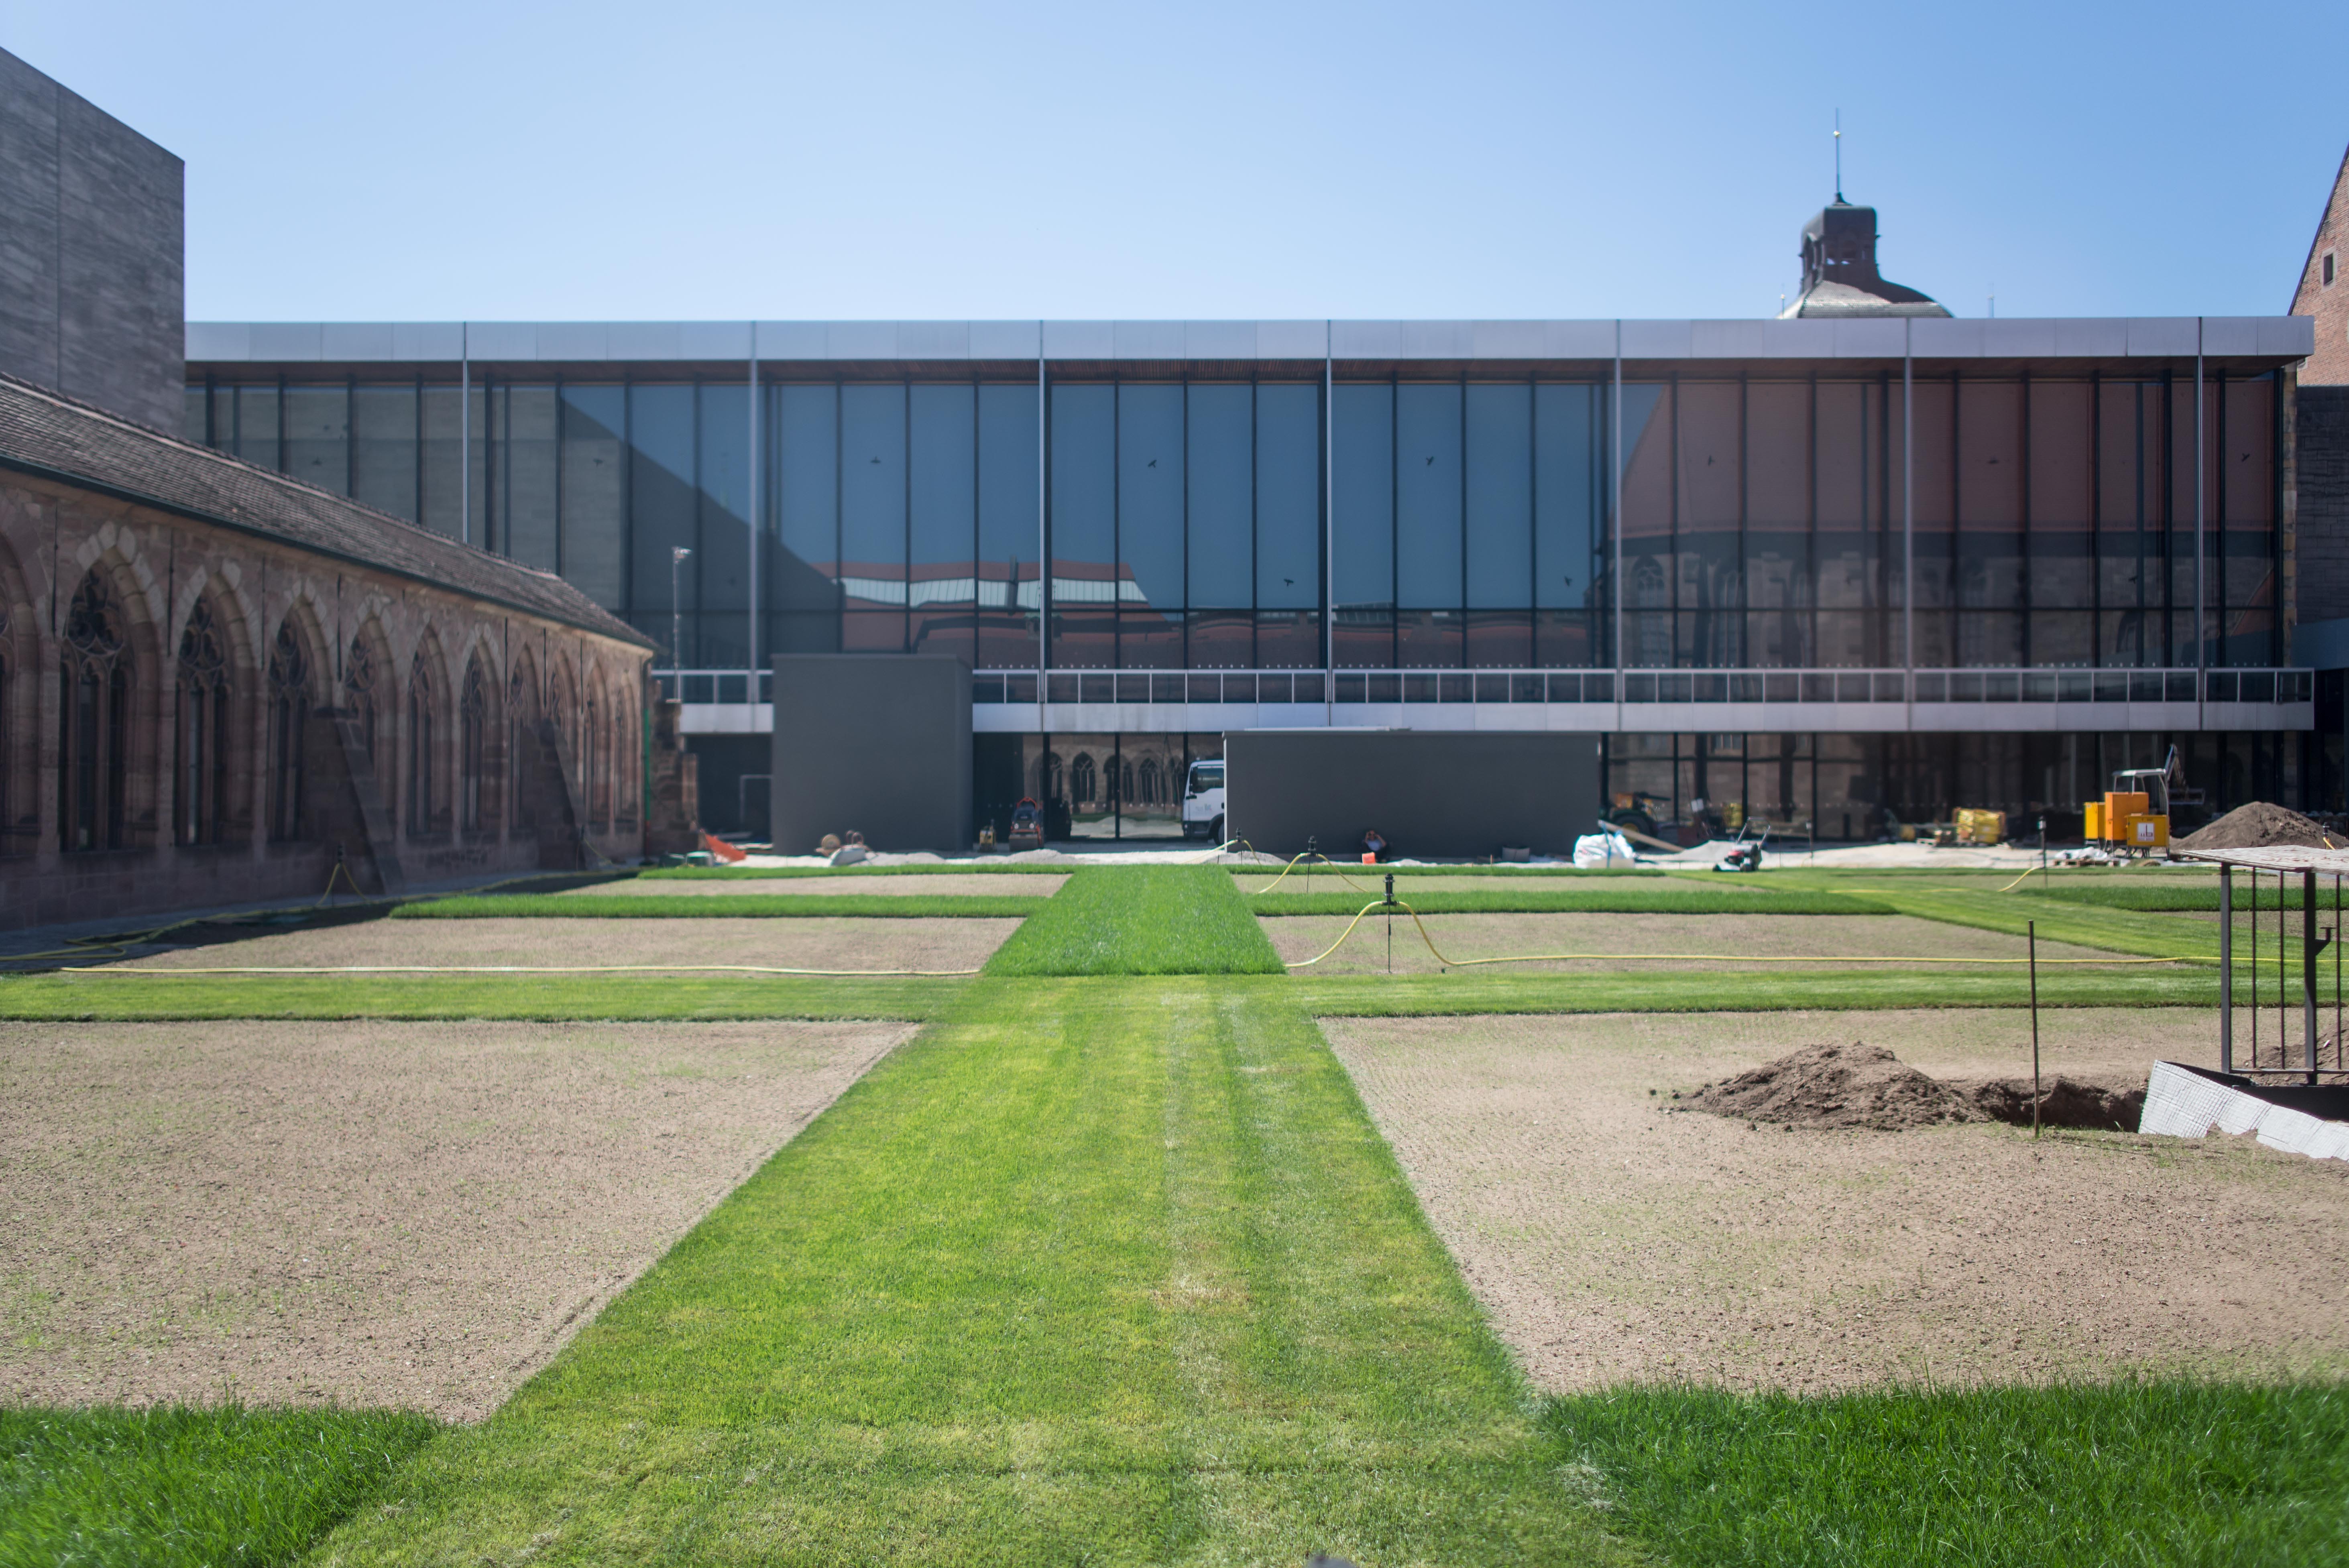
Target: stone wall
(415, 732)
(92, 282)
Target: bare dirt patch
(1613, 1239)
(942, 942)
(998, 884)
(1728, 937)
(378, 1214)
(2260, 824)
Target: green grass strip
(2132, 1473)
(1141, 920)
(548, 997)
(730, 906)
(2114, 930)
(770, 873)
(1726, 991)
(2176, 896)
(1108, 1271)
(1573, 901)
(175, 1488)
(1545, 873)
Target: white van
(1203, 801)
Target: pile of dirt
(2063, 1102)
(2257, 826)
(1856, 1085)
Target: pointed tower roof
(1839, 275)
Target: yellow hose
(1679, 957)
(1341, 876)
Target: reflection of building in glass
(1867, 530)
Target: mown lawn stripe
(165, 995)
(1092, 1271)
(181, 1488)
(1556, 900)
(1140, 920)
(2139, 1473)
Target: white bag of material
(1599, 851)
(848, 855)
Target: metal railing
(1632, 686)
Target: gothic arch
(20, 644)
(295, 686)
(481, 749)
(109, 676)
(368, 691)
(428, 747)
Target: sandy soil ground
(1827, 936)
(943, 943)
(374, 1213)
(1613, 1239)
(1000, 884)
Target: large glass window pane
(1779, 579)
(2244, 437)
(383, 448)
(1567, 515)
(1223, 497)
(723, 474)
(1084, 485)
(1500, 498)
(1989, 498)
(1150, 495)
(1009, 527)
(1362, 499)
(1287, 640)
(945, 519)
(256, 425)
(804, 499)
(662, 503)
(1646, 512)
(1427, 496)
(452, 443)
(523, 465)
(1221, 640)
(195, 415)
(1933, 481)
(1149, 638)
(1288, 498)
(1850, 560)
(594, 465)
(2061, 539)
(1429, 639)
(1709, 584)
(873, 476)
(318, 435)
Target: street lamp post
(677, 554)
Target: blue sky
(435, 161)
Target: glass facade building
(1867, 541)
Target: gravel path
(1615, 1239)
(1000, 884)
(371, 1213)
(1828, 936)
(941, 942)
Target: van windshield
(1207, 776)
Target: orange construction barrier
(722, 849)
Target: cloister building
(217, 682)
